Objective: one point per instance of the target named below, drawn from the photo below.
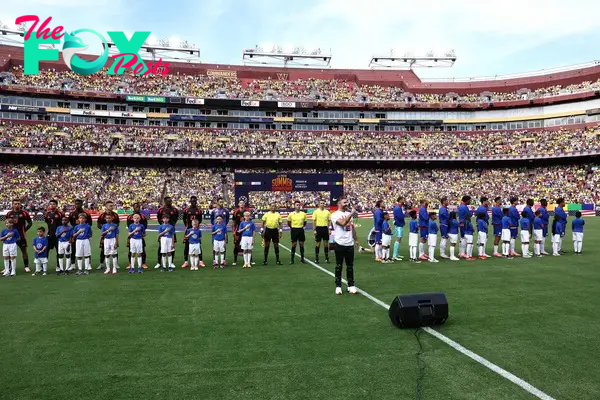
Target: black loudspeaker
(414, 310)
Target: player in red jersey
(74, 220)
(53, 217)
(108, 210)
(22, 223)
(173, 214)
(236, 220)
(193, 212)
(137, 209)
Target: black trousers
(344, 254)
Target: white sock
(462, 246)
(413, 252)
(108, 261)
(536, 249)
(443, 244)
(169, 261)
(505, 248)
(495, 249)
(512, 245)
(525, 249)
(115, 264)
(164, 261)
(13, 266)
(44, 267)
(38, 266)
(452, 251)
(554, 248)
(431, 252)
(61, 263)
(543, 246)
(88, 263)
(470, 249)
(132, 261)
(79, 264)
(421, 249)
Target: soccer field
(279, 332)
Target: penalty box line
(456, 346)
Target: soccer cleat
(59, 272)
(424, 257)
(71, 267)
(131, 270)
(100, 266)
(185, 265)
(302, 261)
(360, 249)
(157, 266)
(487, 255)
(144, 266)
(497, 255)
(140, 270)
(201, 264)
(171, 269)
(398, 258)
(338, 290)
(27, 270)
(291, 262)
(86, 272)
(265, 262)
(378, 259)
(352, 290)
(252, 263)
(556, 255)
(279, 263)
(482, 258)
(106, 271)
(44, 273)
(444, 256)
(526, 256)
(415, 261)
(545, 253)
(454, 258)
(172, 266)
(234, 263)
(79, 273)
(434, 260)
(115, 270)
(515, 254)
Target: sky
(489, 38)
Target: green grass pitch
(279, 332)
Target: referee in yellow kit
(297, 221)
(321, 220)
(271, 231)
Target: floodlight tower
(407, 60)
(296, 57)
(163, 50)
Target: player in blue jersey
(514, 215)
(525, 235)
(529, 214)
(546, 220)
(413, 236)
(453, 229)
(399, 223)
(82, 233)
(193, 236)
(469, 237)
(432, 236)
(497, 215)
(559, 211)
(40, 249)
(386, 238)
(136, 233)
(64, 236)
(219, 231)
(9, 238)
(538, 233)
(377, 224)
(423, 228)
(109, 232)
(482, 212)
(464, 214)
(506, 234)
(482, 235)
(444, 217)
(577, 227)
(558, 230)
(247, 228)
(166, 240)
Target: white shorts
(219, 246)
(195, 248)
(453, 238)
(556, 238)
(539, 235)
(9, 250)
(39, 261)
(413, 239)
(109, 247)
(83, 248)
(578, 236)
(136, 246)
(482, 237)
(506, 235)
(386, 240)
(246, 243)
(64, 248)
(469, 239)
(166, 245)
(525, 237)
(432, 239)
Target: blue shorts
(514, 232)
(462, 231)
(444, 231)
(378, 237)
(399, 231)
(545, 230)
(424, 232)
(498, 230)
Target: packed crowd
(126, 185)
(176, 84)
(304, 143)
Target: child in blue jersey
(110, 233)
(64, 235)
(469, 236)
(514, 215)
(506, 235)
(444, 217)
(386, 238)
(219, 231)
(432, 237)
(577, 227)
(194, 238)
(558, 230)
(399, 222)
(247, 229)
(413, 236)
(9, 238)
(538, 233)
(166, 238)
(40, 248)
(423, 228)
(136, 232)
(82, 233)
(497, 215)
(453, 228)
(525, 235)
(482, 234)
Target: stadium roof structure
(277, 56)
(409, 61)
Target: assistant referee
(321, 219)
(297, 221)
(271, 231)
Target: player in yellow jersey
(271, 231)
(297, 221)
(321, 220)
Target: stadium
(209, 142)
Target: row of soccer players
(505, 221)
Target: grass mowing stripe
(493, 367)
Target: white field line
(502, 372)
